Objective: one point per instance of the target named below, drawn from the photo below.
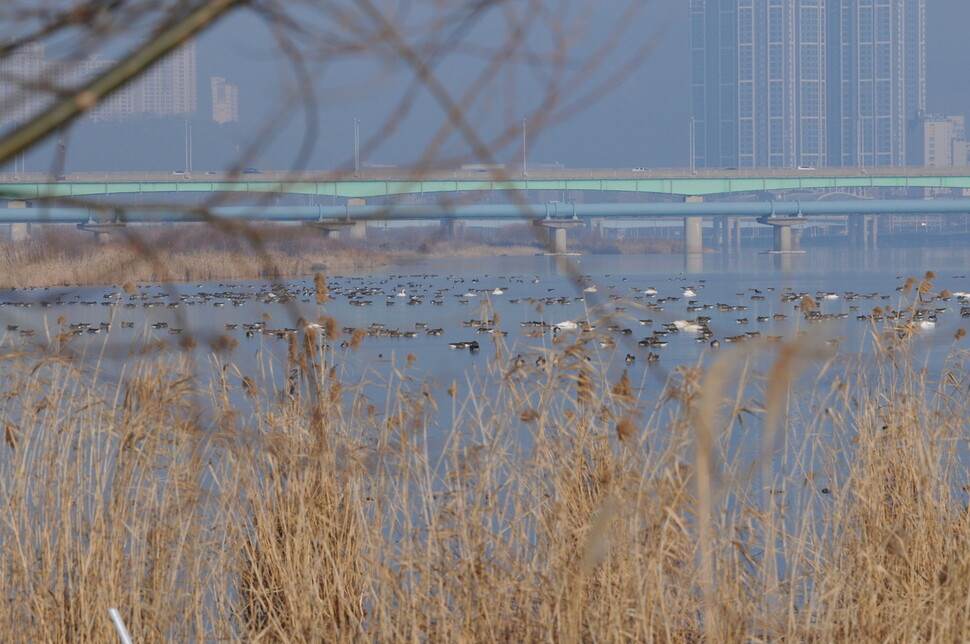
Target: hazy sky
(641, 120)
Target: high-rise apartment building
(170, 86)
(225, 101)
(782, 83)
(29, 83)
(26, 82)
(937, 141)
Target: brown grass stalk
(208, 505)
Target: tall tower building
(169, 87)
(780, 83)
(29, 83)
(225, 101)
(938, 140)
(877, 61)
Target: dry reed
(208, 504)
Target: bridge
(371, 184)
(692, 186)
(556, 217)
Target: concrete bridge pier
(333, 227)
(693, 230)
(453, 228)
(734, 234)
(726, 234)
(556, 231)
(782, 239)
(783, 232)
(595, 227)
(864, 231)
(693, 235)
(719, 233)
(103, 230)
(19, 231)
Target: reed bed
(59, 255)
(781, 492)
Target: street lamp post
(188, 146)
(525, 167)
(693, 162)
(356, 147)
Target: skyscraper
(29, 82)
(225, 101)
(781, 83)
(169, 87)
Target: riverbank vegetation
(782, 492)
(61, 255)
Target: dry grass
(63, 255)
(282, 506)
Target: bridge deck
(385, 183)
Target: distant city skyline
(781, 83)
(643, 121)
(29, 81)
(640, 120)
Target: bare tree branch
(166, 39)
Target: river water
(448, 294)
(416, 313)
(510, 306)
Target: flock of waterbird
(615, 312)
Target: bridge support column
(693, 229)
(359, 230)
(721, 230)
(19, 231)
(332, 227)
(595, 227)
(782, 239)
(863, 231)
(728, 234)
(783, 232)
(558, 240)
(557, 232)
(693, 235)
(453, 228)
(102, 230)
(734, 233)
